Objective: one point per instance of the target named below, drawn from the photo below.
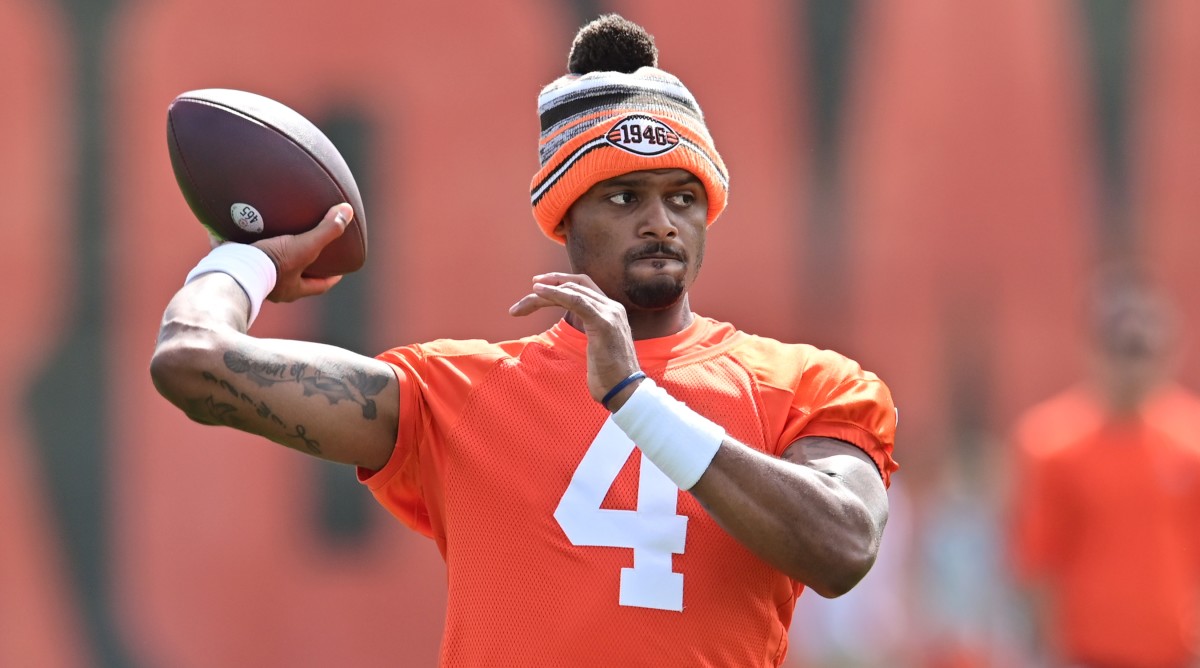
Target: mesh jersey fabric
(1105, 515)
(490, 437)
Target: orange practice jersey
(562, 546)
(1107, 515)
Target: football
(252, 168)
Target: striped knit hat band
(602, 124)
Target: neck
(1126, 389)
(645, 324)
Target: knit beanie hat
(615, 113)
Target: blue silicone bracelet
(636, 375)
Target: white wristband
(677, 439)
(248, 265)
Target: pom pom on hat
(612, 43)
(615, 113)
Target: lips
(659, 252)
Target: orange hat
(616, 113)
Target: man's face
(1133, 344)
(640, 236)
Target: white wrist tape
(680, 441)
(248, 265)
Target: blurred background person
(1106, 497)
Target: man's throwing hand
(293, 253)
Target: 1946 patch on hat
(643, 135)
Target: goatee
(654, 294)
(661, 291)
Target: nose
(657, 223)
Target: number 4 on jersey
(654, 531)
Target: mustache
(657, 249)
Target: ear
(560, 230)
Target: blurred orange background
(925, 185)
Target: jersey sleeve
(436, 380)
(1032, 520)
(835, 398)
(398, 485)
(1036, 521)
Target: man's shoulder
(1179, 399)
(1176, 410)
(1054, 424)
(475, 347)
(718, 332)
(788, 362)
(459, 351)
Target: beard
(654, 294)
(661, 291)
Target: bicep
(319, 399)
(847, 468)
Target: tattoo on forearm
(354, 386)
(228, 403)
(211, 410)
(311, 443)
